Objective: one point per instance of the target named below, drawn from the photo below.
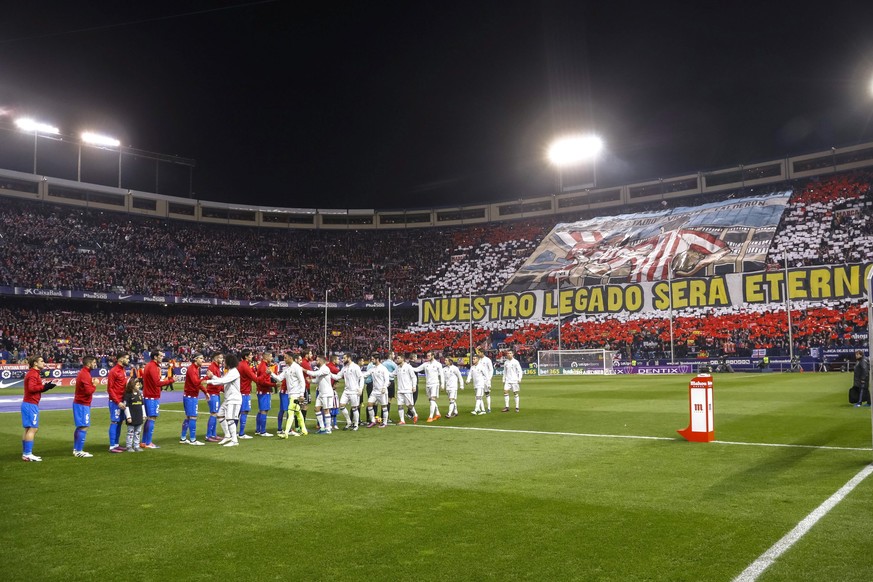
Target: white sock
(488, 397)
(370, 414)
(436, 408)
(506, 399)
(224, 427)
(432, 404)
(232, 427)
(320, 420)
(346, 416)
(516, 399)
(356, 416)
(414, 413)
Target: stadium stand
(827, 221)
(63, 335)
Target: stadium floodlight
(28, 124)
(574, 149)
(99, 140)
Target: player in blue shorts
(193, 388)
(82, 406)
(265, 386)
(214, 394)
(33, 389)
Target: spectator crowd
(827, 221)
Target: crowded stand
(63, 335)
(483, 258)
(700, 336)
(827, 221)
(52, 247)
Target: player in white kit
(354, 386)
(379, 394)
(511, 379)
(325, 395)
(478, 376)
(488, 369)
(228, 413)
(433, 380)
(453, 381)
(407, 382)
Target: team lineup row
(134, 398)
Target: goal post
(574, 362)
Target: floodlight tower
(101, 141)
(573, 151)
(37, 127)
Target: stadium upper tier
(52, 246)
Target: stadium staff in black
(862, 378)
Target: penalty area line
(634, 437)
(766, 559)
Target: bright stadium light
(99, 140)
(575, 149)
(27, 124)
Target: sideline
(764, 561)
(637, 437)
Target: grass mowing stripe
(764, 561)
(636, 437)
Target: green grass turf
(430, 503)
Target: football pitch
(588, 482)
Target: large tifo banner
(733, 290)
(732, 236)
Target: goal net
(551, 362)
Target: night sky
(421, 104)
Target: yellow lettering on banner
(581, 300)
(718, 293)
(494, 306)
(633, 299)
(595, 300)
(614, 299)
(752, 291)
(565, 305)
(449, 311)
(527, 305)
(773, 284)
(660, 296)
(478, 308)
(797, 285)
(820, 284)
(847, 281)
(463, 308)
(680, 294)
(429, 313)
(510, 307)
(549, 307)
(696, 293)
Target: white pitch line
(635, 437)
(764, 561)
(605, 436)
